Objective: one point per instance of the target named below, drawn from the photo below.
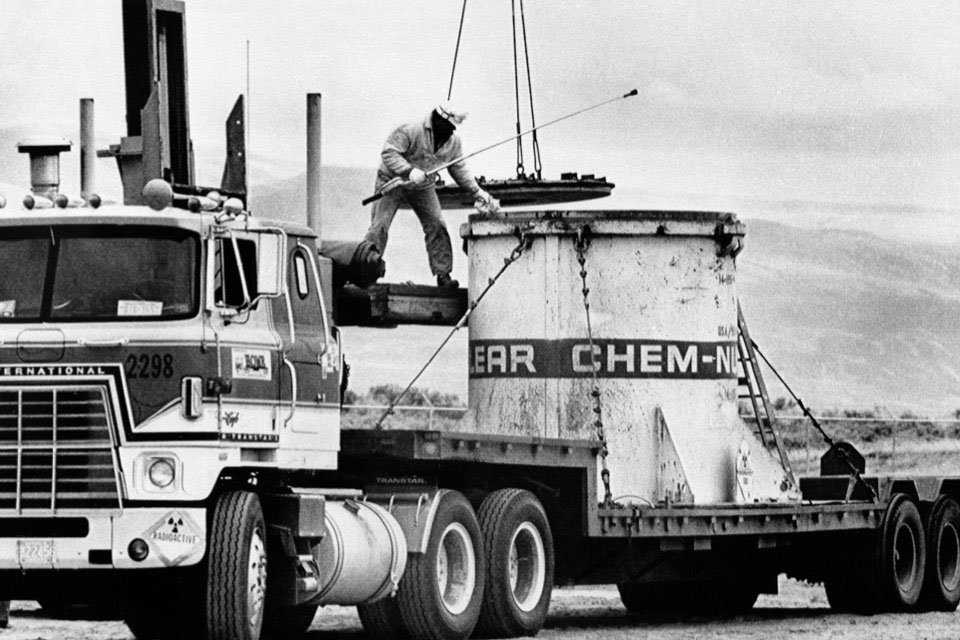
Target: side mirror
(271, 281)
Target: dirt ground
(798, 612)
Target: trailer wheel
(381, 620)
(440, 593)
(941, 589)
(901, 554)
(518, 545)
(236, 568)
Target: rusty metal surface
(661, 289)
(484, 448)
(387, 305)
(759, 520)
(524, 192)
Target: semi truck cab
(144, 355)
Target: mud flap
(414, 512)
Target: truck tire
(941, 588)
(887, 572)
(440, 593)
(381, 620)
(518, 546)
(236, 568)
(901, 555)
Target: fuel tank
(362, 555)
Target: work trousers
(426, 205)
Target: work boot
(444, 280)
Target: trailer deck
(824, 508)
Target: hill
(858, 305)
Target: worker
(410, 153)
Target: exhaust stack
(313, 163)
(45, 164)
(88, 150)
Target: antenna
(246, 130)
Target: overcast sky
(846, 101)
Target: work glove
(417, 177)
(486, 203)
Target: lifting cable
(537, 165)
(830, 442)
(516, 86)
(456, 51)
(523, 244)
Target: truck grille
(56, 449)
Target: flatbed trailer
(845, 532)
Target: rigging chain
(582, 243)
(830, 442)
(523, 244)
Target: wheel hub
(949, 557)
(527, 566)
(456, 568)
(904, 557)
(256, 581)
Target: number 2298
(146, 365)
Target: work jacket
(411, 145)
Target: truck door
(306, 350)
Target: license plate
(35, 552)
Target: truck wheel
(381, 620)
(440, 593)
(520, 560)
(941, 588)
(236, 568)
(887, 572)
(901, 555)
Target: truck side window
(306, 306)
(227, 284)
(302, 277)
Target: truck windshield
(76, 274)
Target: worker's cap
(450, 114)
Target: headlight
(162, 473)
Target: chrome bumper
(175, 537)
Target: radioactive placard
(175, 537)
